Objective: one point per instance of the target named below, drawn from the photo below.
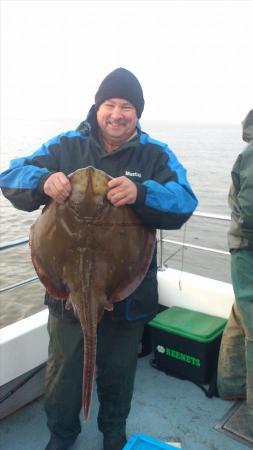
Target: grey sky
(193, 58)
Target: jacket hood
(90, 123)
(247, 127)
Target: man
(235, 366)
(147, 176)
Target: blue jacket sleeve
(22, 183)
(167, 200)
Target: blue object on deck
(144, 442)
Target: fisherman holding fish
(146, 175)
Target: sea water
(207, 151)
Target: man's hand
(122, 191)
(58, 187)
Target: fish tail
(88, 373)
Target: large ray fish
(91, 253)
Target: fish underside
(91, 253)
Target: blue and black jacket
(165, 199)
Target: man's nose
(116, 112)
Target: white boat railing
(161, 241)
(7, 246)
(185, 245)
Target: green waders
(117, 353)
(235, 366)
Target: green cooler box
(186, 343)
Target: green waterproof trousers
(117, 353)
(235, 365)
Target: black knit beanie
(121, 84)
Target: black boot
(114, 441)
(56, 443)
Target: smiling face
(117, 119)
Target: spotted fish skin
(91, 253)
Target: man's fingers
(116, 182)
(58, 187)
(122, 191)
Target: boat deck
(163, 407)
